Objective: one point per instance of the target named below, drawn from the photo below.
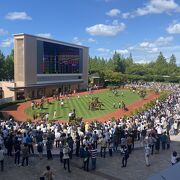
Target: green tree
(161, 65)
(118, 63)
(2, 66)
(172, 67)
(9, 66)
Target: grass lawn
(81, 105)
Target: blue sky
(141, 27)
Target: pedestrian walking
(125, 154)
(147, 154)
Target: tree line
(120, 69)
(7, 66)
(115, 69)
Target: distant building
(96, 80)
(44, 66)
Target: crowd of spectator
(150, 129)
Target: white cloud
(122, 51)
(81, 41)
(146, 44)
(45, 35)
(7, 42)
(154, 7)
(126, 15)
(161, 41)
(113, 12)
(174, 28)
(3, 32)
(103, 50)
(18, 16)
(131, 48)
(153, 50)
(77, 41)
(106, 30)
(91, 40)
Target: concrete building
(6, 95)
(43, 67)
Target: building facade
(43, 67)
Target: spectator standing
(40, 149)
(29, 141)
(48, 148)
(66, 151)
(2, 158)
(77, 144)
(175, 126)
(93, 156)
(163, 139)
(157, 144)
(61, 152)
(103, 144)
(110, 147)
(57, 138)
(9, 145)
(152, 142)
(25, 155)
(129, 143)
(168, 141)
(147, 154)
(125, 154)
(70, 144)
(95, 138)
(86, 159)
(17, 150)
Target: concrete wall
(6, 91)
(19, 67)
(85, 68)
(25, 64)
(30, 55)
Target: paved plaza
(107, 168)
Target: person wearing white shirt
(147, 154)
(159, 129)
(174, 158)
(57, 138)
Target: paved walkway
(108, 168)
(17, 111)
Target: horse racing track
(107, 105)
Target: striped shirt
(93, 153)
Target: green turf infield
(81, 105)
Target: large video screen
(55, 58)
